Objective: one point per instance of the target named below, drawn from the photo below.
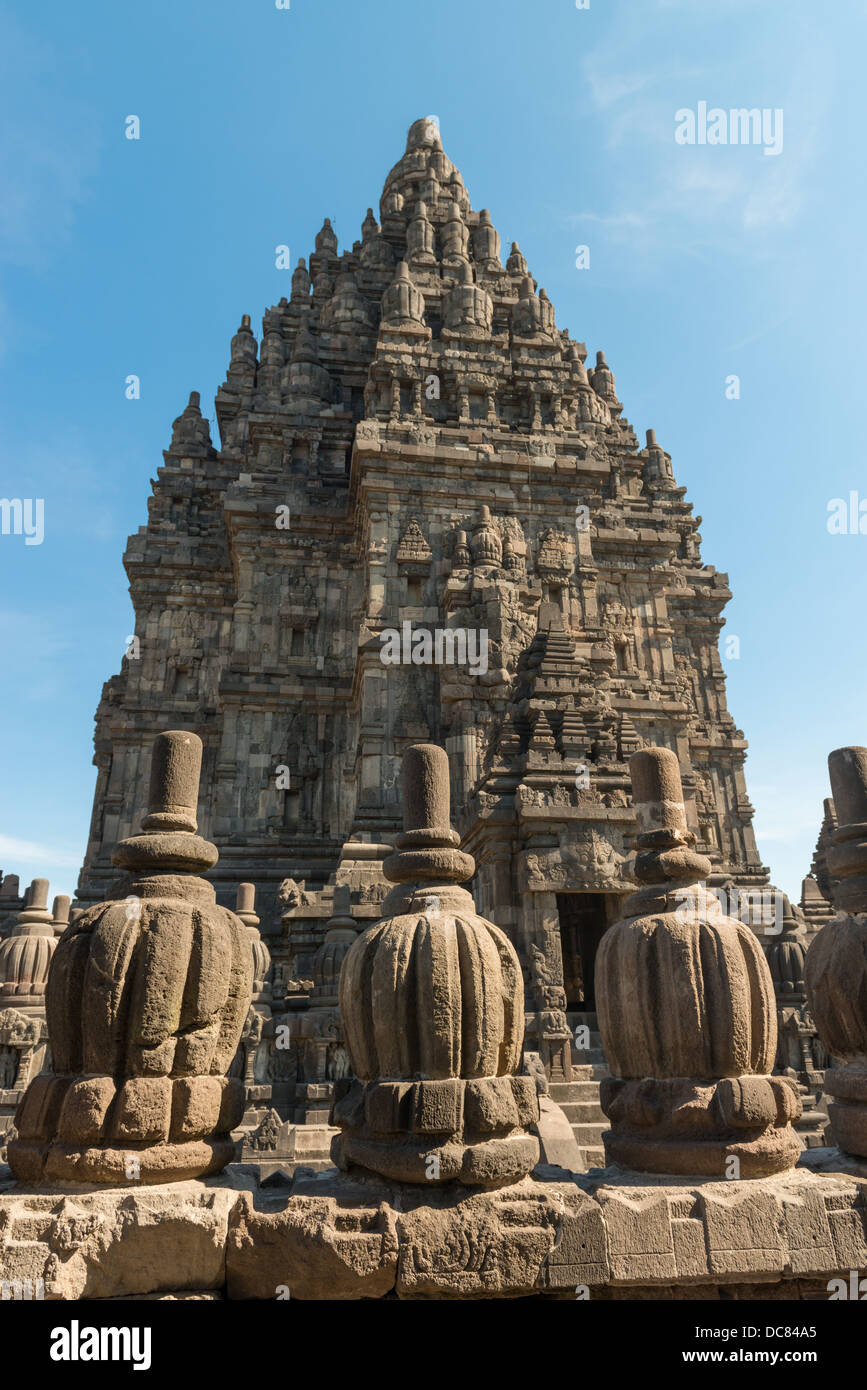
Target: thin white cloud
(694, 200)
(760, 333)
(606, 89)
(618, 220)
(29, 852)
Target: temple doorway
(583, 919)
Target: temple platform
(607, 1234)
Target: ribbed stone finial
(516, 263)
(836, 966)
(847, 852)
(651, 439)
(145, 1002)
(687, 1011)
(402, 303)
(25, 954)
(785, 956)
(664, 841)
(340, 933)
(431, 1001)
(848, 769)
(245, 909)
(326, 239)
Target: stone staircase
(579, 1098)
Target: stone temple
(434, 898)
(428, 519)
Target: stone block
(489, 1104)
(436, 1106)
(118, 1243)
(807, 1232)
(499, 1160)
(84, 1109)
(743, 1228)
(196, 1104)
(526, 1099)
(385, 1106)
(232, 1104)
(848, 1225)
(640, 1240)
(690, 1248)
(143, 1110)
(40, 1107)
(310, 1246)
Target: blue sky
(120, 257)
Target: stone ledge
(84, 1243)
(342, 1236)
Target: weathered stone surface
(358, 1238)
(344, 1243)
(801, 1055)
(836, 964)
(687, 1012)
(128, 1241)
(146, 1001)
(25, 954)
(344, 1236)
(557, 1143)
(776, 1228)
(432, 1004)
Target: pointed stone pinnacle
(657, 790)
(37, 896)
(846, 854)
(60, 912)
(848, 770)
(168, 843)
(176, 764)
(428, 848)
(664, 842)
(246, 898)
(426, 798)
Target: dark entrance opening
(583, 919)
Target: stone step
(593, 1056)
(589, 1135)
(580, 1112)
(594, 1156)
(572, 1092)
(579, 1098)
(590, 1072)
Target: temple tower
(425, 520)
